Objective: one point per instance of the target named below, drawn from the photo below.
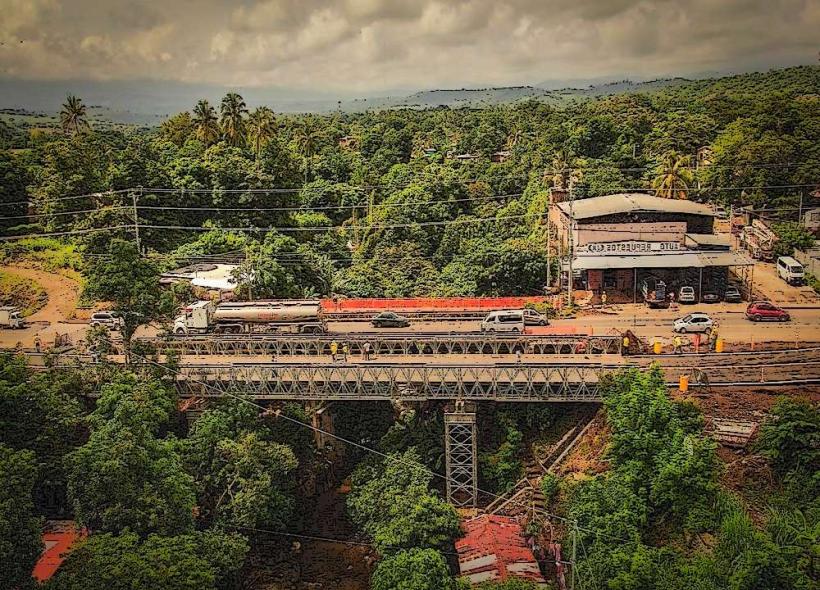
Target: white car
(686, 295)
(107, 319)
(693, 322)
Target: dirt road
(63, 294)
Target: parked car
(759, 311)
(693, 322)
(504, 321)
(686, 295)
(388, 319)
(790, 270)
(107, 319)
(710, 297)
(533, 318)
(732, 295)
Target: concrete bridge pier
(461, 450)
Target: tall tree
(207, 560)
(261, 128)
(307, 140)
(416, 569)
(131, 283)
(125, 475)
(73, 116)
(232, 119)
(20, 543)
(206, 124)
(673, 177)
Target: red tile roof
(58, 537)
(494, 548)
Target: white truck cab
(10, 317)
(194, 319)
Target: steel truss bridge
(386, 344)
(567, 382)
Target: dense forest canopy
(403, 202)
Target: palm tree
(233, 111)
(261, 128)
(673, 176)
(562, 169)
(307, 140)
(73, 116)
(206, 124)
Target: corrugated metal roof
(632, 202)
(708, 239)
(493, 548)
(670, 260)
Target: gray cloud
(371, 45)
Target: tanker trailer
(288, 316)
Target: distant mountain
(149, 102)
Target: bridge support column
(461, 449)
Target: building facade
(621, 243)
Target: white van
(790, 270)
(504, 321)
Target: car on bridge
(759, 311)
(693, 323)
(533, 318)
(389, 319)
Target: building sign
(628, 247)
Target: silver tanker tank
(268, 311)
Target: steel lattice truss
(387, 344)
(462, 453)
(500, 382)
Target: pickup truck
(10, 318)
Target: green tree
(125, 476)
(198, 561)
(205, 122)
(242, 477)
(393, 504)
(232, 119)
(177, 129)
(415, 569)
(790, 236)
(41, 412)
(307, 141)
(261, 128)
(73, 116)
(131, 283)
(673, 177)
(791, 438)
(20, 528)
(14, 178)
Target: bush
(549, 486)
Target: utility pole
(136, 219)
(800, 208)
(574, 539)
(570, 242)
(549, 244)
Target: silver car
(692, 323)
(686, 295)
(107, 319)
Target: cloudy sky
(358, 46)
